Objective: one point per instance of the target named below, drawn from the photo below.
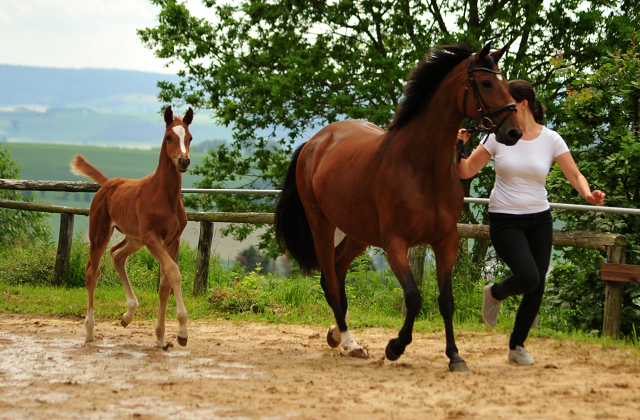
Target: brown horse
(149, 212)
(393, 189)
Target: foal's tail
(291, 224)
(80, 166)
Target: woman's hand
(596, 198)
(463, 135)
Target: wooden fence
(614, 272)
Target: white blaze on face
(181, 133)
(499, 76)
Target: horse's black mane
(425, 78)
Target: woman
(520, 221)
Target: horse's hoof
(166, 346)
(331, 341)
(460, 366)
(359, 353)
(123, 323)
(182, 341)
(390, 354)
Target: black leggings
(523, 241)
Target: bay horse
(393, 189)
(149, 212)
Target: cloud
(78, 34)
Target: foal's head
(177, 138)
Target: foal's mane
(425, 78)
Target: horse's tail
(292, 227)
(80, 166)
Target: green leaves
(276, 71)
(19, 225)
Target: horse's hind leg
(119, 254)
(397, 255)
(348, 250)
(323, 237)
(445, 253)
(99, 234)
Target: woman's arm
(578, 181)
(467, 168)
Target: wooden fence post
(613, 295)
(200, 284)
(416, 261)
(416, 257)
(65, 240)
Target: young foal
(149, 212)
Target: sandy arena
(262, 371)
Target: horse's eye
(168, 138)
(486, 83)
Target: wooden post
(200, 283)
(416, 257)
(65, 240)
(416, 261)
(613, 295)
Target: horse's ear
(168, 115)
(485, 51)
(497, 55)
(188, 117)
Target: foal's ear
(485, 51)
(188, 117)
(497, 55)
(168, 115)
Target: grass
(374, 298)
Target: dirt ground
(260, 371)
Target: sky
(81, 33)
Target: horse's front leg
(170, 278)
(445, 253)
(397, 255)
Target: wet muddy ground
(263, 371)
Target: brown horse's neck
(167, 176)
(428, 141)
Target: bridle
(486, 123)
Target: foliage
(19, 225)
(278, 70)
(250, 258)
(602, 129)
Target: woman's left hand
(596, 198)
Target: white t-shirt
(521, 172)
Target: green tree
(602, 129)
(276, 70)
(19, 225)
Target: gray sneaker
(490, 307)
(520, 356)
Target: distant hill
(94, 107)
(106, 90)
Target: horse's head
(486, 98)
(177, 138)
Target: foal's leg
(119, 254)
(170, 278)
(348, 250)
(99, 233)
(397, 255)
(445, 253)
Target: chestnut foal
(149, 212)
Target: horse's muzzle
(183, 164)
